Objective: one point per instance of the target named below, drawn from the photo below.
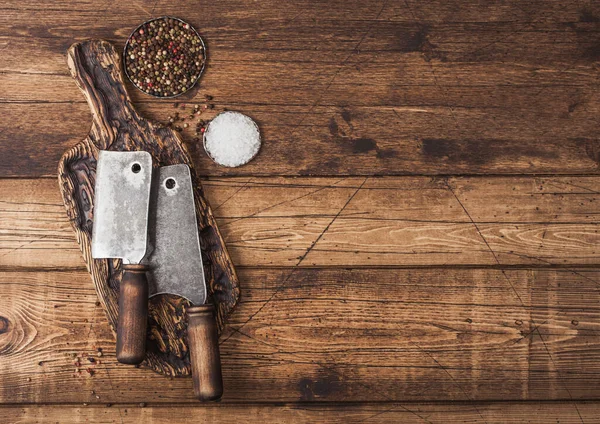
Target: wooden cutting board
(96, 67)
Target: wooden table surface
(417, 241)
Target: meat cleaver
(176, 268)
(120, 230)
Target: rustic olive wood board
(96, 67)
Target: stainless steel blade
(176, 261)
(121, 205)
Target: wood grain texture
(362, 295)
(95, 66)
(392, 413)
(327, 335)
(399, 221)
(342, 89)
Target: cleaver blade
(120, 230)
(176, 268)
(176, 258)
(122, 201)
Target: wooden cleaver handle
(133, 314)
(203, 341)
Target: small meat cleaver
(120, 230)
(176, 268)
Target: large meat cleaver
(120, 230)
(176, 268)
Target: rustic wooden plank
(403, 221)
(360, 140)
(492, 46)
(497, 412)
(372, 84)
(439, 11)
(339, 140)
(434, 11)
(406, 89)
(327, 335)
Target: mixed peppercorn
(164, 57)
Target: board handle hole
(136, 167)
(170, 183)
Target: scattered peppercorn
(187, 120)
(164, 57)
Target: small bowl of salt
(231, 139)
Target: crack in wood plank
(299, 261)
(520, 300)
(340, 67)
(252, 215)
(439, 364)
(24, 245)
(229, 198)
(560, 377)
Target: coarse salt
(232, 139)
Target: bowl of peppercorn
(164, 57)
